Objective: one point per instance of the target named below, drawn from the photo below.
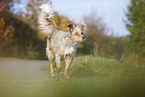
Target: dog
(59, 43)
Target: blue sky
(113, 12)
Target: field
(90, 77)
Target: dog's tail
(45, 21)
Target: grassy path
(23, 78)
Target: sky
(112, 11)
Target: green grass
(85, 65)
(93, 65)
(93, 76)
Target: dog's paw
(58, 70)
(52, 74)
(66, 75)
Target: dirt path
(22, 78)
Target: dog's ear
(81, 26)
(70, 27)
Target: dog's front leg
(71, 63)
(57, 60)
(68, 61)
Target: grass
(93, 76)
(94, 66)
(107, 66)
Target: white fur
(61, 43)
(48, 9)
(45, 21)
(77, 30)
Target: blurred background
(109, 63)
(114, 28)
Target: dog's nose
(83, 37)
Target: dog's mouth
(83, 39)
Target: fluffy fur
(59, 43)
(45, 21)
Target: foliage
(94, 33)
(136, 25)
(32, 11)
(6, 29)
(17, 37)
(97, 42)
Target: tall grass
(94, 65)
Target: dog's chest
(62, 44)
(68, 48)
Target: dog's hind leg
(51, 62)
(57, 59)
(50, 55)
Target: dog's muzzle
(83, 38)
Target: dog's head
(77, 33)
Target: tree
(136, 25)
(95, 35)
(6, 29)
(97, 42)
(32, 11)
(17, 38)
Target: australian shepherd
(59, 43)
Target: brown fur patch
(75, 38)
